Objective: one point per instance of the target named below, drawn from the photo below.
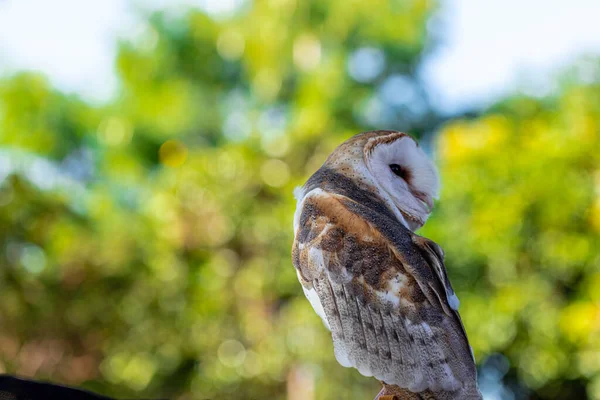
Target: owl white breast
(382, 290)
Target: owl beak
(427, 200)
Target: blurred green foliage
(520, 223)
(145, 243)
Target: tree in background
(146, 242)
(520, 223)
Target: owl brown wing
(383, 292)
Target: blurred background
(149, 150)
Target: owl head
(392, 165)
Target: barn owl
(382, 290)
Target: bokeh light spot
(173, 153)
(307, 52)
(252, 365)
(578, 320)
(232, 353)
(115, 131)
(230, 45)
(366, 64)
(275, 173)
(33, 258)
(237, 127)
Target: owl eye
(399, 171)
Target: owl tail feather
(393, 392)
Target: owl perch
(391, 392)
(382, 290)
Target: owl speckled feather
(382, 290)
